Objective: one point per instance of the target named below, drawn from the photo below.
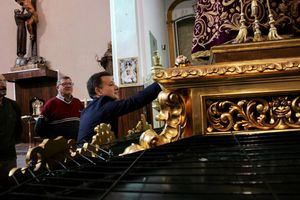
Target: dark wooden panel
(130, 120)
(37, 73)
(40, 83)
(27, 90)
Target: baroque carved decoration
(141, 126)
(173, 113)
(46, 157)
(280, 113)
(57, 153)
(230, 69)
(103, 138)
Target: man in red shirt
(61, 114)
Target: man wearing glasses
(60, 115)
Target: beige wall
(70, 34)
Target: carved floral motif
(259, 113)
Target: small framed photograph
(128, 69)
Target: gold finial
(156, 59)
(157, 66)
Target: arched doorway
(180, 24)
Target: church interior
(226, 124)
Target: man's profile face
(65, 87)
(109, 88)
(2, 86)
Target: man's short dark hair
(95, 81)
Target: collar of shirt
(60, 97)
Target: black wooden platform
(265, 166)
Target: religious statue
(31, 22)
(26, 19)
(20, 18)
(31, 19)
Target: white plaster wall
(131, 22)
(70, 34)
(8, 43)
(124, 34)
(152, 17)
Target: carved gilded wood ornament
(172, 111)
(241, 96)
(222, 69)
(257, 113)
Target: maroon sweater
(59, 118)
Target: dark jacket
(107, 110)
(10, 128)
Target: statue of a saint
(20, 18)
(30, 21)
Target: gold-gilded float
(173, 113)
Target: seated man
(106, 106)
(60, 115)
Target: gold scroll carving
(173, 113)
(282, 112)
(46, 157)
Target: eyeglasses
(67, 84)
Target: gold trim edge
(227, 69)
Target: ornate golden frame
(230, 83)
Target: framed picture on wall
(128, 71)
